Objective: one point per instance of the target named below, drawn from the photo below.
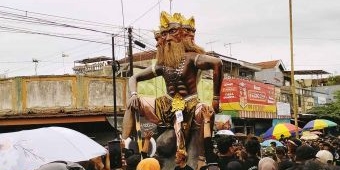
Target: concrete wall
(54, 94)
(6, 95)
(272, 76)
(330, 90)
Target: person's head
(181, 157)
(327, 146)
(61, 165)
(225, 144)
(282, 136)
(325, 156)
(234, 165)
(273, 144)
(253, 147)
(132, 161)
(313, 165)
(293, 144)
(148, 164)
(305, 152)
(281, 152)
(267, 163)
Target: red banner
(240, 94)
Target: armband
(196, 58)
(154, 69)
(216, 98)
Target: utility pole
(114, 145)
(130, 51)
(292, 79)
(35, 61)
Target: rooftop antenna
(35, 61)
(170, 6)
(211, 42)
(228, 45)
(63, 55)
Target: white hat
(324, 156)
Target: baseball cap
(324, 156)
(305, 152)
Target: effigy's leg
(179, 136)
(146, 108)
(196, 147)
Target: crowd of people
(227, 152)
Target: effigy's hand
(207, 113)
(216, 106)
(133, 102)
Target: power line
(146, 12)
(47, 22)
(53, 35)
(99, 23)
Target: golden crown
(189, 23)
(166, 19)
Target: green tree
(329, 110)
(333, 80)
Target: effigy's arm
(206, 62)
(133, 103)
(148, 73)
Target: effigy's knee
(166, 145)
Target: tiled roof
(146, 55)
(268, 64)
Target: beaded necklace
(173, 75)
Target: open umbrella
(29, 149)
(309, 136)
(276, 131)
(316, 132)
(319, 124)
(267, 142)
(225, 132)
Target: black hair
(253, 147)
(224, 142)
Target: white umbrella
(29, 149)
(225, 132)
(309, 136)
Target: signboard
(222, 122)
(322, 100)
(246, 95)
(283, 109)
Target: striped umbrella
(276, 131)
(319, 124)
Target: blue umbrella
(267, 142)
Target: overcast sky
(257, 30)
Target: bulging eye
(172, 31)
(164, 33)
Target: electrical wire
(55, 16)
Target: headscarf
(267, 163)
(149, 164)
